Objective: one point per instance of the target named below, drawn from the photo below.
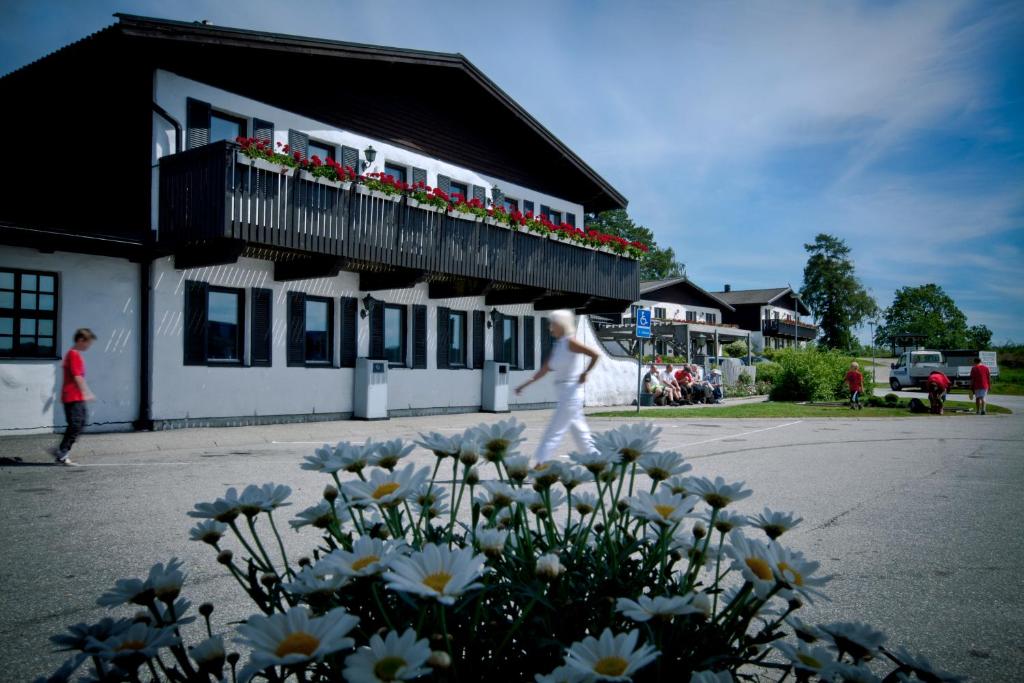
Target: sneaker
(55, 452)
(984, 413)
(67, 461)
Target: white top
(564, 364)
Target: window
(28, 314)
(226, 127)
(510, 340)
(553, 216)
(660, 314)
(691, 316)
(397, 172)
(511, 204)
(712, 318)
(457, 339)
(318, 330)
(459, 189)
(775, 315)
(225, 340)
(320, 149)
(394, 334)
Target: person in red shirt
(937, 385)
(981, 382)
(74, 394)
(855, 381)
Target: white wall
(172, 90)
(614, 380)
(96, 292)
(678, 311)
(181, 391)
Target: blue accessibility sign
(643, 323)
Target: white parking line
(733, 436)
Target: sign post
(642, 330)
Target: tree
(925, 310)
(979, 337)
(658, 263)
(832, 291)
(737, 349)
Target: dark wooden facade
(785, 328)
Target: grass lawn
(1011, 381)
(782, 409)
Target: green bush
(876, 402)
(813, 375)
(737, 349)
(768, 353)
(892, 399)
(768, 372)
(744, 379)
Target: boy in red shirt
(855, 381)
(981, 382)
(938, 385)
(74, 393)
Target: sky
(737, 130)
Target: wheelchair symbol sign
(643, 323)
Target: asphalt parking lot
(918, 519)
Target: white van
(912, 368)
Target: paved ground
(917, 518)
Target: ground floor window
(318, 336)
(28, 314)
(394, 334)
(225, 340)
(509, 340)
(457, 339)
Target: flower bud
(268, 580)
(549, 567)
(304, 562)
(472, 477)
(330, 493)
(699, 530)
(225, 556)
(233, 659)
(379, 531)
(439, 659)
(206, 609)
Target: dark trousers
(76, 415)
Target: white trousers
(568, 415)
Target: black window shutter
(499, 348)
(419, 175)
(296, 328)
(480, 193)
(570, 218)
(197, 115)
(262, 327)
(350, 158)
(298, 142)
(349, 331)
(528, 342)
(478, 339)
(263, 130)
(444, 183)
(194, 330)
(442, 337)
(377, 331)
(419, 337)
(527, 206)
(545, 340)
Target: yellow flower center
(611, 666)
(298, 643)
(387, 668)
(437, 581)
(364, 562)
(808, 660)
(665, 510)
(761, 569)
(385, 489)
(794, 577)
(131, 645)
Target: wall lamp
(371, 155)
(368, 303)
(493, 318)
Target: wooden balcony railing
(211, 193)
(785, 328)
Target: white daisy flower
(436, 572)
(726, 521)
(717, 493)
(78, 636)
(174, 613)
(596, 462)
(808, 633)
(754, 560)
(266, 498)
(440, 445)
(224, 509)
(773, 523)
(805, 657)
(517, 466)
(388, 489)
(645, 608)
(295, 637)
(664, 507)
(549, 566)
(584, 502)
(392, 658)
(854, 638)
(797, 574)
(844, 672)
(546, 474)
(678, 485)
(141, 592)
(563, 674)
(923, 669)
(166, 581)
(209, 654)
(534, 501)
(711, 677)
(208, 531)
(320, 516)
(629, 441)
(571, 476)
(491, 541)
(430, 495)
(496, 493)
(390, 452)
(322, 460)
(368, 556)
(315, 581)
(661, 466)
(610, 657)
(135, 644)
(498, 438)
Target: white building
(231, 291)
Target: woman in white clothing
(564, 361)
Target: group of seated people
(684, 386)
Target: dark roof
(746, 297)
(435, 103)
(648, 286)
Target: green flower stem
(251, 521)
(412, 523)
(430, 487)
(553, 538)
(248, 548)
(455, 477)
(632, 478)
(280, 545)
(718, 566)
(515, 627)
(380, 606)
(348, 507)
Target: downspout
(145, 417)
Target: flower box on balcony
(426, 207)
(306, 175)
(395, 198)
(466, 216)
(264, 165)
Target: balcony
(215, 202)
(785, 328)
